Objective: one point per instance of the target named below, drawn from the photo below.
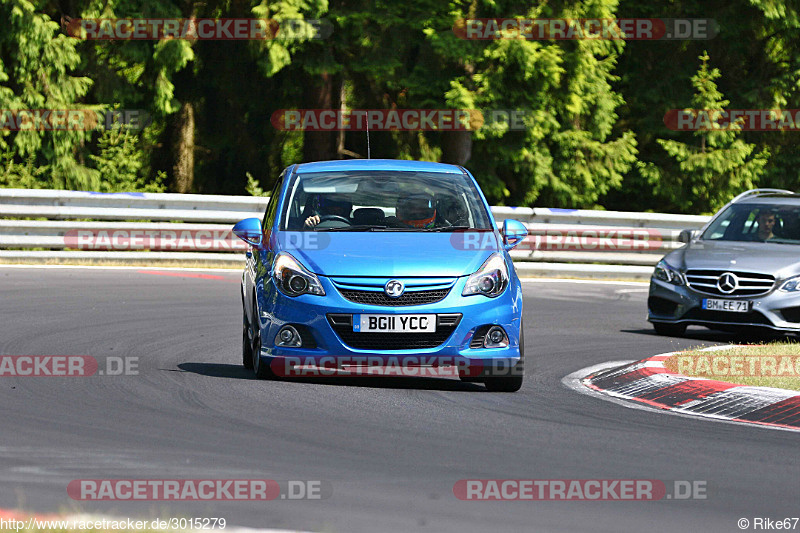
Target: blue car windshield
(752, 222)
(383, 201)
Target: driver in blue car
(328, 206)
(416, 211)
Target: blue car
(370, 262)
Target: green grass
(774, 364)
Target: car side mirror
(686, 235)
(514, 232)
(249, 230)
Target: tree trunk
(321, 145)
(183, 149)
(456, 147)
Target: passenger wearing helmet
(323, 206)
(416, 211)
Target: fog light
(288, 336)
(495, 338)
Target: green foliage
(35, 66)
(25, 175)
(593, 136)
(120, 166)
(253, 188)
(719, 166)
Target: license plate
(395, 323)
(733, 306)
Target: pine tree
(716, 167)
(35, 65)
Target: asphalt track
(391, 449)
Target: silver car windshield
(383, 201)
(752, 222)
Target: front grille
(750, 283)
(343, 326)
(407, 298)
(753, 317)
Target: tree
(719, 165)
(36, 66)
(566, 155)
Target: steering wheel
(333, 218)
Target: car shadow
(219, 370)
(744, 336)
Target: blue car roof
(377, 164)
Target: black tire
(261, 370)
(514, 382)
(669, 330)
(247, 346)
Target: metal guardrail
(165, 227)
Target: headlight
(791, 285)
(293, 279)
(666, 273)
(490, 280)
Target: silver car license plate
(732, 306)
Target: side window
(272, 206)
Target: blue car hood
(395, 254)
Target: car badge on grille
(394, 288)
(727, 283)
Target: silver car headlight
(293, 279)
(664, 272)
(791, 285)
(490, 279)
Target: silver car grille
(746, 283)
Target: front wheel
(669, 330)
(247, 344)
(261, 370)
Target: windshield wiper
(449, 228)
(362, 227)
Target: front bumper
(678, 304)
(321, 318)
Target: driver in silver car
(766, 223)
